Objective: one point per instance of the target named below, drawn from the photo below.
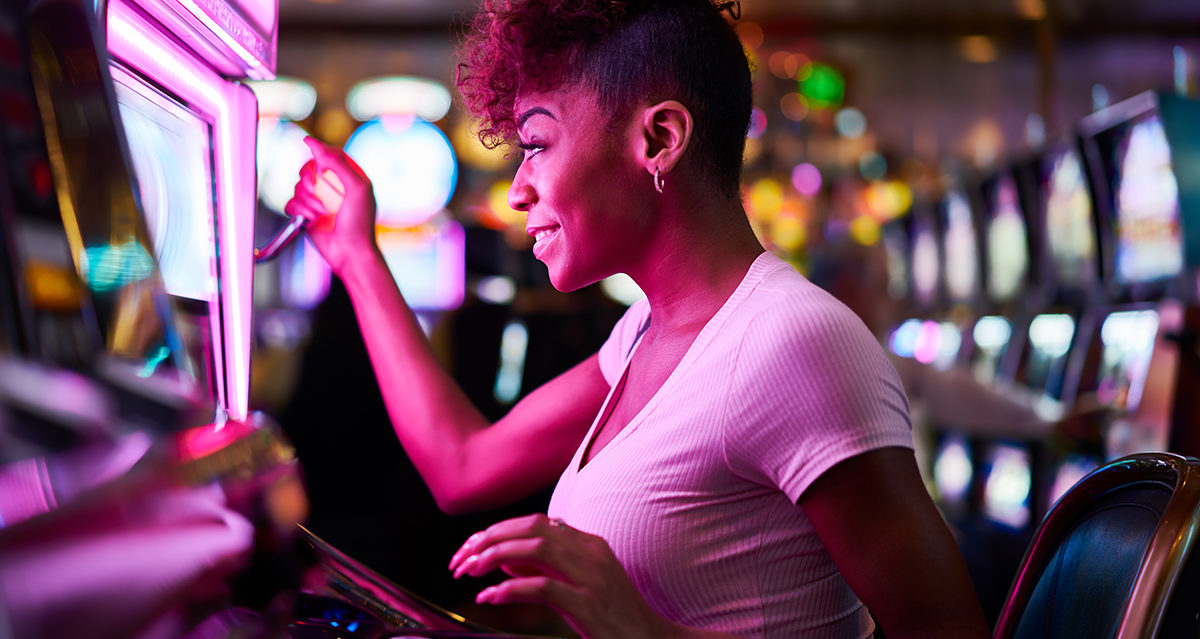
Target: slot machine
(171, 509)
(1142, 154)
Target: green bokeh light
(822, 85)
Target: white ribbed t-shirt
(697, 494)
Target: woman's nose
(521, 195)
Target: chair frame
(1165, 555)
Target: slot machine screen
(991, 336)
(1050, 338)
(1069, 472)
(953, 473)
(895, 245)
(428, 263)
(1127, 339)
(1007, 490)
(1068, 220)
(1007, 242)
(926, 266)
(961, 249)
(170, 149)
(1146, 228)
(169, 146)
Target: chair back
(1108, 557)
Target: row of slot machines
(1065, 280)
(139, 495)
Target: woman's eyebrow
(532, 112)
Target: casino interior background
(988, 153)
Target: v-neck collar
(763, 264)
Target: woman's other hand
(572, 572)
(335, 196)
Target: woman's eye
(530, 149)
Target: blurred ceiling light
(984, 142)
(1031, 9)
(980, 49)
(750, 34)
(398, 95)
(284, 98)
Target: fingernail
(485, 595)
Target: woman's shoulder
(787, 303)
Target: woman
(738, 458)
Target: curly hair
(628, 52)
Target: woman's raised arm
(467, 462)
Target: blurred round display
(411, 165)
(1149, 240)
(1008, 256)
(284, 98)
(281, 153)
(962, 261)
(1069, 230)
(398, 95)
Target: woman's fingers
(305, 208)
(519, 527)
(533, 555)
(538, 589)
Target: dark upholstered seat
(1112, 556)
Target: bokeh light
(471, 151)
(785, 64)
(284, 98)
(765, 200)
(498, 205)
(794, 106)
(806, 178)
(822, 85)
(411, 165)
(850, 122)
(281, 153)
(750, 34)
(872, 166)
(398, 95)
(758, 123)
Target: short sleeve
(811, 387)
(622, 339)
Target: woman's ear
(666, 130)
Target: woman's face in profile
(576, 185)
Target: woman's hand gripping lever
(321, 194)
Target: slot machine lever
(330, 190)
(281, 239)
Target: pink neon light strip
(234, 113)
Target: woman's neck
(701, 258)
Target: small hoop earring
(658, 180)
